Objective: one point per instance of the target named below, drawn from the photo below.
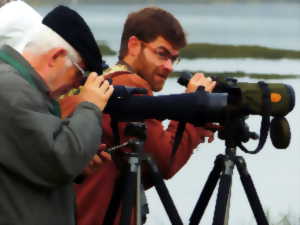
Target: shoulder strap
(178, 137)
(114, 122)
(117, 73)
(265, 122)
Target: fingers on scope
(91, 78)
(99, 81)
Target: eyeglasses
(84, 73)
(163, 54)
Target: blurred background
(248, 39)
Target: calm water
(282, 66)
(276, 173)
(274, 25)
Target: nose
(168, 65)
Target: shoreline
(218, 51)
(239, 74)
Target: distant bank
(239, 74)
(206, 50)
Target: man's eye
(162, 54)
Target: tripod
(132, 179)
(234, 132)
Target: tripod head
(137, 133)
(137, 130)
(235, 131)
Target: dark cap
(72, 28)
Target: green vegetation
(239, 74)
(205, 50)
(105, 49)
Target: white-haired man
(41, 154)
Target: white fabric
(3, 2)
(17, 22)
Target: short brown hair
(149, 23)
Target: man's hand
(200, 80)
(208, 131)
(96, 90)
(98, 160)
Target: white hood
(17, 22)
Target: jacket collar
(26, 71)
(10, 56)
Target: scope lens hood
(291, 93)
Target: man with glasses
(41, 154)
(150, 45)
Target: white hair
(45, 39)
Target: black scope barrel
(197, 107)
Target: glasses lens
(176, 60)
(80, 69)
(164, 55)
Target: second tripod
(233, 133)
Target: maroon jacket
(94, 194)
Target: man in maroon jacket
(151, 40)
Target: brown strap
(117, 73)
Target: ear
(134, 46)
(55, 55)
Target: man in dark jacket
(41, 154)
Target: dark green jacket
(40, 154)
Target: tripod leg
(223, 192)
(138, 197)
(251, 192)
(129, 192)
(163, 193)
(115, 201)
(208, 189)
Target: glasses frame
(175, 59)
(84, 73)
